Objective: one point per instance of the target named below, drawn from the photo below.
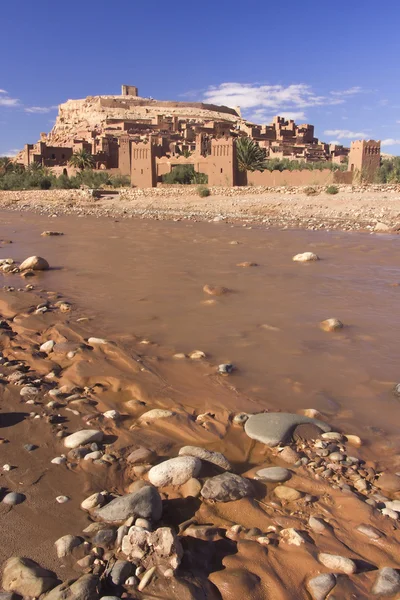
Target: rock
(273, 474)
(388, 512)
(381, 227)
(289, 455)
(140, 456)
(197, 354)
(226, 368)
(94, 501)
(312, 413)
(84, 588)
(63, 499)
(286, 493)
(394, 505)
(337, 563)
(160, 548)
(333, 436)
(155, 413)
(65, 544)
(191, 488)
(354, 440)
(59, 460)
(388, 482)
(274, 428)
(292, 537)
(35, 263)
(47, 346)
(145, 502)
(121, 570)
(26, 577)
(13, 498)
(331, 325)
(318, 525)
(105, 538)
(240, 418)
(226, 487)
(216, 458)
(30, 447)
(320, 586)
(247, 264)
(29, 392)
(111, 414)
(174, 471)
(93, 455)
(215, 290)
(94, 341)
(82, 437)
(369, 531)
(306, 431)
(51, 233)
(387, 583)
(305, 257)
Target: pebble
(332, 436)
(292, 537)
(317, 524)
(369, 531)
(94, 501)
(146, 578)
(191, 488)
(289, 455)
(387, 582)
(111, 414)
(155, 413)
(214, 290)
(226, 487)
(94, 341)
(388, 512)
(210, 456)
(7, 467)
(144, 502)
(13, 498)
(273, 474)
(197, 354)
(286, 493)
(35, 263)
(240, 418)
(305, 257)
(30, 447)
(320, 586)
(62, 499)
(65, 544)
(47, 346)
(59, 460)
(331, 325)
(354, 440)
(394, 505)
(26, 577)
(226, 368)
(93, 455)
(389, 482)
(174, 471)
(337, 563)
(84, 436)
(28, 392)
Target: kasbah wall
(146, 168)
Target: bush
(311, 191)
(332, 189)
(120, 181)
(184, 174)
(203, 191)
(45, 183)
(285, 164)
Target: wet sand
(141, 285)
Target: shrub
(45, 183)
(203, 191)
(120, 181)
(184, 174)
(311, 191)
(332, 189)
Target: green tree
(82, 159)
(250, 156)
(5, 165)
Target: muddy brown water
(146, 278)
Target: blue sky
(335, 65)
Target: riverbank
(106, 336)
(352, 208)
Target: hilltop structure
(145, 138)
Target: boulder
(82, 437)
(84, 588)
(34, 263)
(387, 583)
(174, 471)
(337, 563)
(320, 586)
(216, 458)
(160, 548)
(145, 503)
(226, 487)
(13, 498)
(274, 428)
(26, 577)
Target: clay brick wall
(143, 165)
(365, 158)
(316, 177)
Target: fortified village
(145, 138)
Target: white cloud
(10, 153)
(7, 101)
(390, 142)
(345, 134)
(337, 142)
(349, 92)
(264, 116)
(40, 109)
(3, 92)
(273, 97)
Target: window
(221, 170)
(53, 156)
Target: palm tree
(250, 156)
(5, 164)
(82, 159)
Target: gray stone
(274, 474)
(174, 471)
(94, 501)
(84, 588)
(26, 577)
(140, 456)
(320, 586)
(337, 563)
(318, 525)
(226, 487)
(13, 498)
(82, 437)
(275, 428)
(105, 538)
(216, 458)
(65, 544)
(387, 583)
(121, 570)
(145, 502)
